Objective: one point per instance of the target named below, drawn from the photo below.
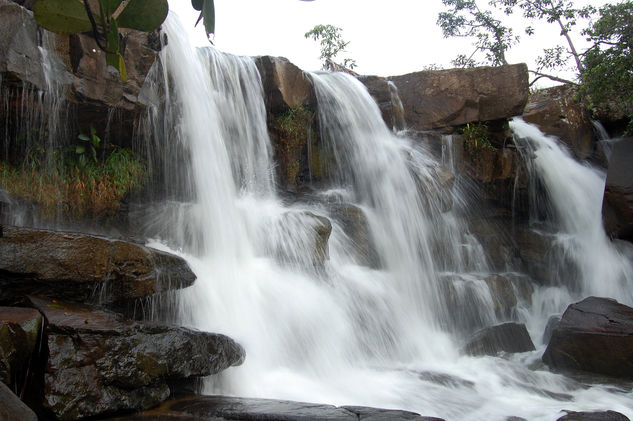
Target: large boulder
(301, 239)
(354, 223)
(100, 363)
(507, 337)
(617, 204)
(594, 335)
(217, 408)
(441, 98)
(558, 112)
(81, 268)
(285, 85)
(19, 334)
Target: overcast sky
(386, 38)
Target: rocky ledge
(217, 408)
(82, 268)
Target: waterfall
(382, 331)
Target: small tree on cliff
(607, 79)
(331, 45)
(464, 18)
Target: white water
(347, 334)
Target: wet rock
(19, 334)
(355, 225)
(433, 99)
(301, 239)
(101, 363)
(558, 112)
(552, 324)
(593, 416)
(507, 337)
(80, 268)
(12, 408)
(212, 408)
(285, 85)
(503, 295)
(617, 204)
(594, 335)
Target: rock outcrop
(212, 408)
(596, 336)
(441, 98)
(100, 363)
(507, 337)
(617, 204)
(285, 85)
(19, 335)
(558, 112)
(82, 268)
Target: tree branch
(551, 77)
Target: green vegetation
(331, 45)
(92, 189)
(476, 138)
(607, 79)
(292, 129)
(104, 18)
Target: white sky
(386, 38)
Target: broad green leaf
(144, 15)
(84, 137)
(80, 149)
(113, 45)
(62, 16)
(197, 4)
(208, 16)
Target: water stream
(344, 332)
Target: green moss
(476, 139)
(291, 128)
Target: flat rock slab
(81, 268)
(207, 408)
(101, 363)
(507, 337)
(596, 336)
(593, 416)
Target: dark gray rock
(100, 363)
(12, 408)
(80, 268)
(507, 337)
(617, 204)
(355, 226)
(217, 408)
(593, 416)
(596, 336)
(552, 324)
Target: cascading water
(340, 331)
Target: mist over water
(344, 332)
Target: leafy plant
(89, 147)
(104, 18)
(331, 45)
(476, 137)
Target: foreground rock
(216, 408)
(593, 416)
(594, 335)
(301, 239)
(19, 334)
(12, 408)
(507, 337)
(99, 363)
(81, 268)
(441, 98)
(617, 205)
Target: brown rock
(440, 98)
(558, 113)
(19, 334)
(12, 408)
(285, 85)
(80, 267)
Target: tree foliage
(464, 18)
(332, 44)
(607, 80)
